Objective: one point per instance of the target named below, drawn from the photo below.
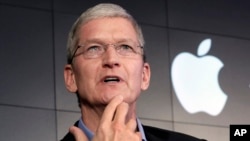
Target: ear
(69, 78)
(146, 74)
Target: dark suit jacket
(153, 134)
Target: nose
(110, 58)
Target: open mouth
(111, 79)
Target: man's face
(98, 80)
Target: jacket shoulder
(157, 134)
(69, 136)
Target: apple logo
(195, 81)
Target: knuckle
(117, 126)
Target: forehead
(108, 29)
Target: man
(107, 69)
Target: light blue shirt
(90, 134)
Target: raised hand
(113, 125)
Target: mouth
(111, 79)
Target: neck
(92, 116)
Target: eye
(126, 47)
(93, 48)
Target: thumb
(78, 134)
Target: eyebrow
(101, 41)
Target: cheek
(86, 82)
(140, 76)
(136, 75)
(85, 75)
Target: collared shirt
(90, 134)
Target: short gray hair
(99, 11)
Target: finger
(78, 134)
(121, 112)
(109, 111)
(132, 124)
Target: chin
(106, 98)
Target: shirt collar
(90, 134)
(84, 128)
(141, 130)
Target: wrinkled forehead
(108, 29)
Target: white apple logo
(195, 81)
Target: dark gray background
(34, 104)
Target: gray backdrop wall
(34, 104)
